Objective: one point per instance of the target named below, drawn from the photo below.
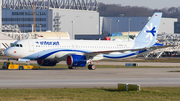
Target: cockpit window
(13, 45)
(16, 45)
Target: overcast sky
(147, 3)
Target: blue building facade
(24, 19)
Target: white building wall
(84, 22)
(101, 25)
(167, 25)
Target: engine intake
(76, 60)
(46, 62)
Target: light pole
(72, 30)
(129, 27)
(40, 28)
(32, 28)
(117, 25)
(110, 25)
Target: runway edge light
(131, 64)
(122, 87)
(128, 87)
(133, 87)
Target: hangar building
(125, 24)
(77, 17)
(72, 16)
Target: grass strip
(91, 94)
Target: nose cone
(7, 52)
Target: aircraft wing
(159, 47)
(150, 48)
(118, 50)
(110, 51)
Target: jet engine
(46, 62)
(76, 60)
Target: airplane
(78, 53)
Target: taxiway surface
(114, 63)
(84, 78)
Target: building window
(28, 13)
(23, 19)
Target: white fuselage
(59, 49)
(78, 53)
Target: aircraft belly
(119, 58)
(98, 57)
(51, 57)
(63, 55)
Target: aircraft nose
(6, 52)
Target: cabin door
(31, 46)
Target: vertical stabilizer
(148, 35)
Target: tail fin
(148, 35)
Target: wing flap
(159, 47)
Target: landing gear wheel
(20, 67)
(72, 67)
(91, 67)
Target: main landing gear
(91, 66)
(72, 67)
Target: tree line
(117, 10)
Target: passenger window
(21, 45)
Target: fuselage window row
(99, 47)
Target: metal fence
(47, 4)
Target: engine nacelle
(76, 60)
(46, 62)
